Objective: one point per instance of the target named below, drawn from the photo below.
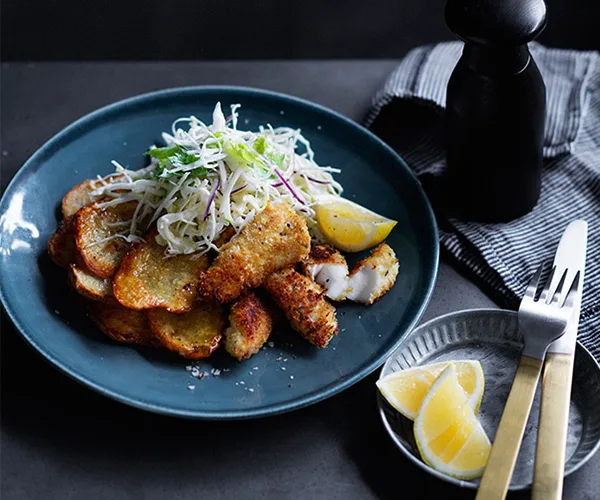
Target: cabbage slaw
(211, 177)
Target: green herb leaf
(242, 156)
(260, 145)
(163, 153)
(184, 157)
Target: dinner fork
(541, 322)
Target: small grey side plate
(492, 337)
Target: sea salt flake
(191, 387)
(251, 390)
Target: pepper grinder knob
(495, 109)
(496, 22)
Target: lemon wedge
(405, 389)
(349, 226)
(447, 432)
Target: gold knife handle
(549, 466)
(501, 463)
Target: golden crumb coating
(251, 323)
(277, 237)
(372, 277)
(304, 305)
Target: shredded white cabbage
(209, 177)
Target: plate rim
(48, 148)
(420, 463)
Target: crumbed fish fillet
(251, 323)
(276, 238)
(372, 277)
(327, 267)
(304, 305)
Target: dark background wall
(243, 29)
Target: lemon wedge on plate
(405, 389)
(349, 226)
(447, 432)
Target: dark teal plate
(287, 374)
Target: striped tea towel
(408, 114)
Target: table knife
(558, 374)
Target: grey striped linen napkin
(408, 113)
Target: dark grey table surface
(61, 441)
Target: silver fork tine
(546, 290)
(572, 293)
(534, 283)
(558, 293)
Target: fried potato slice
(251, 323)
(61, 245)
(77, 198)
(147, 278)
(193, 335)
(80, 195)
(277, 237)
(304, 305)
(89, 284)
(123, 325)
(93, 226)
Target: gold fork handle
(501, 462)
(552, 430)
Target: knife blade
(558, 373)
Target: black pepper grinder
(495, 110)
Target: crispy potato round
(90, 285)
(121, 324)
(95, 224)
(80, 195)
(77, 198)
(61, 245)
(193, 335)
(147, 278)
